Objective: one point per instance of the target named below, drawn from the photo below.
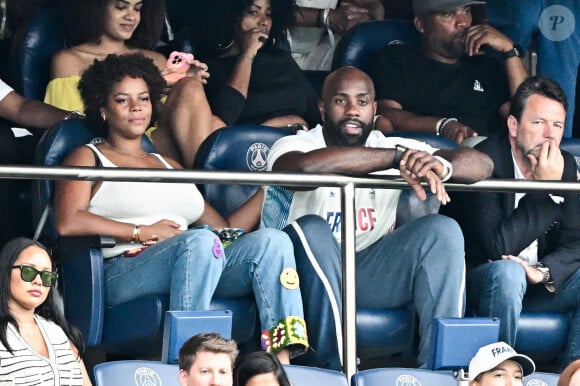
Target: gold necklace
(142, 155)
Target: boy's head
(206, 359)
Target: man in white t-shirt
(319, 24)
(17, 147)
(421, 262)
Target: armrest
(67, 247)
(81, 263)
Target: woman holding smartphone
(97, 28)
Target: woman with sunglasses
(155, 252)
(37, 345)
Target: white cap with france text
(490, 356)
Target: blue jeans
(420, 263)
(192, 267)
(499, 289)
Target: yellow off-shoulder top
(64, 93)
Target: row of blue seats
(381, 333)
(122, 373)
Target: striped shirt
(25, 367)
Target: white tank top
(144, 202)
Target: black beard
(337, 136)
(451, 49)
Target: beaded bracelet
(444, 123)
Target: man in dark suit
(523, 249)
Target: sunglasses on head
(28, 274)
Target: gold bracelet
(136, 238)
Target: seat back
(473, 333)
(572, 145)
(32, 50)
(358, 47)
(51, 150)
(239, 148)
(541, 379)
(123, 373)
(179, 326)
(402, 376)
(307, 376)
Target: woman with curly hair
(155, 252)
(37, 345)
(97, 28)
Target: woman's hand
(198, 70)
(159, 231)
(251, 41)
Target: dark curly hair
(213, 24)
(86, 22)
(48, 310)
(98, 80)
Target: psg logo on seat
(257, 156)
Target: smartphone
(179, 63)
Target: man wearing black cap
(447, 86)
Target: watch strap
(515, 51)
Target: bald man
(419, 263)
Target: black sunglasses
(28, 274)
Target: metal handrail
(265, 178)
(347, 184)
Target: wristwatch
(547, 279)
(399, 152)
(515, 51)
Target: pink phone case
(179, 62)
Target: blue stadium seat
(32, 49)
(362, 42)
(235, 148)
(402, 376)
(572, 145)
(113, 329)
(541, 379)
(307, 376)
(123, 373)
